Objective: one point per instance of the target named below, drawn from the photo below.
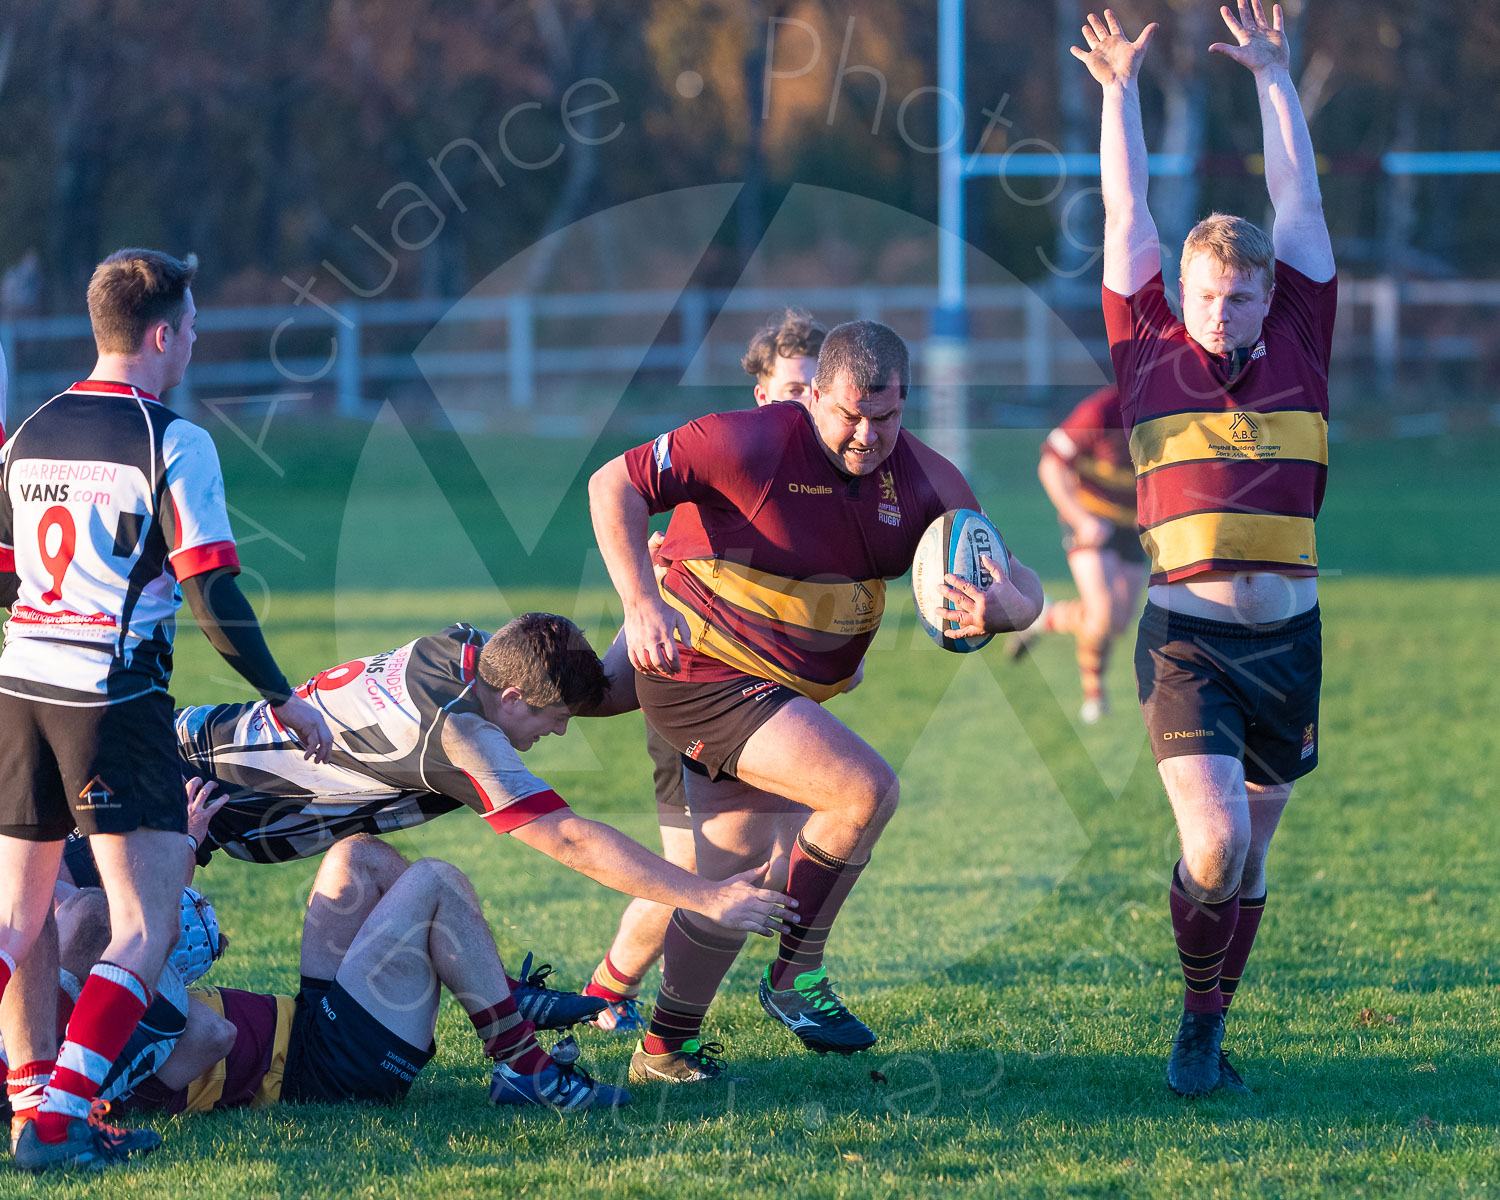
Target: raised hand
(1259, 44)
(1111, 57)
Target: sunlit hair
(1233, 242)
(132, 291)
(548, 659)
(868, 352)
(793, 334)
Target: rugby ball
(952, 545)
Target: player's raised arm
(607, 856)
(620, 515)
(1132, 254)
(1300, 233)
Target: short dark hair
(868, 352)
(793, 334)
(548, 659)
(131, 291)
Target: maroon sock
(508, 1037)
(1203, 932)
(820, 883)
(1238, 954)
(694, 962)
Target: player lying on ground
(749, 632)
(1087, 474)
(782, 358)
(111, 511)
(1227, 411)
(380, 940)
(436, 725)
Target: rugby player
(432, 726)
(782, 359)
(1086, 471)
(1227, 414)
(786, 523)
(111, 511)
(380, 940)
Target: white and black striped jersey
(410, 743)
(107, 499)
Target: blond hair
(1233, 242)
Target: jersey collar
(104, 387)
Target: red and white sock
(7, 969)
(23, 1088)
(108, 1010)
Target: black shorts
(1248, 691)
(666, 775)
(708, 723)
(339, 1052)
(110, 769)
(1124, 541)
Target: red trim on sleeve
(7, 559)
(466, 667)
(523, 811)
(195, 560)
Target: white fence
(516, 347)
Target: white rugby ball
(952, 545)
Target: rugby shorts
(666, 776)
(1246, 691)
(105, 769)
(708, 722)
(340, 1052)
(1124, 541)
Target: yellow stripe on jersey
(1243, 537)
(1118, 514)
(1231, 436)
(849, 608)
(208, 1089)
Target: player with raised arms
(435, 725)
(111, 511)
(786, 523)
(782, 359)
(1227, 411)
(1086, 471)
(380, 940)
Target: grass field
(1009, 944)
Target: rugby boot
(91, 1144)
(812, 1010)
(562, 1084)
(547, 1008)
(696, 1062)
(1229, 1078)
(620, 1016)
(1193, 1069)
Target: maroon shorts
(709, 722)
(1247, 691)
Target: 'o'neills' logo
(1174, 735)
(809, 489)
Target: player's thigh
(734, 825)
(678, 845)
(806, 754)
(1090, 573)
(1267, 803)
(388, 968)
(142, 873)
(1127, 582)
(28, 871)
(1209, 801)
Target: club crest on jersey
(890, 508)
(97, 795)
(1259, 351)
(1309, 740)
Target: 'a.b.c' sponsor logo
(1246, 439)
(864, 601)
(1243, 430)
(809, 489)
(1178, 735)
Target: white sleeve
(195, 520)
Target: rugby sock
(820, 883)
(24, 1087)
(1203, 932)
(1062, 616)
(509, 1038)
(7, 969)
(612, 984)
(1238, 954)
(108, 1010)
(694, 962)
(1093, 659)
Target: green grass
(1009, 943)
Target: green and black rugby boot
(812, 1010)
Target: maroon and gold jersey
(777, 559)
(1091, 441)
(1229, 471)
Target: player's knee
(441, 875)
(874, 801)
(1097, 624)
(1216, 863)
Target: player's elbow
(606, 484)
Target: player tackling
(1227, 412)
(786, 523)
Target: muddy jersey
(410, 743)
(107, 500)
(776, 558)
